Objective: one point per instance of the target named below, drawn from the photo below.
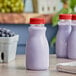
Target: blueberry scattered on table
(6, 33)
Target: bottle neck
(63, 22)
(37, 30)
(37, 25)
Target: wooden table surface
(17, 68)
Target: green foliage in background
(53, 41)
(56, 16)
(73, 4)
(69, 10)
(66, 1)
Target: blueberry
(0, 34)
(0, 30)
(11, 34)
(6, 33)
(3, 35)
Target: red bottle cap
(65, 16)
(74, 17)
(37, 21)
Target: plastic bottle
(72, 40)
(62, 35)
(37, 49)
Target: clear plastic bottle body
(72, 42)
(37, 49)
(62, 37)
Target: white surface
(69, 67)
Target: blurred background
(48, 9)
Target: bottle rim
(74, 17)
(65, 16)
(37, 21)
